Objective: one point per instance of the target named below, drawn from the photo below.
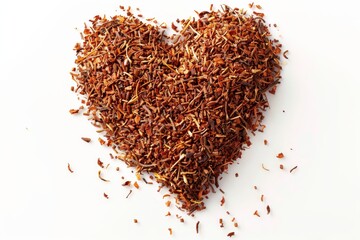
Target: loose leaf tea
(180, 107)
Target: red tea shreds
(268, 209)
(168, 203)
(222, 201)
(262, 197)
(236, 225)
(101, 141)
(74, 111)
(265, 142)
(135, 220)
(106, 196)
(170, 231)
(100, 163)
(100, 176)
(168, 214)
(197, 99)
(221, 222)
(136, 185)
(86, 139)
(280, 155)
(69, 168)
(166, 195)
(293, 169)
(197, 227)
(236, 175)
(281, 166)
(230, 234)
(126, 183)
(285, 54)
(256, 213)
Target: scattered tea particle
(236, 175)
(281, 166)
(174, 27)
(256, 213)
(101, 141)
(138, 176)
(236, 225)
(106, 196)
(170, 231)
(135, 220)
(293, 169)
(100, 163)
(265, 142)
(69, 168)
(129, 193)
(221, 191)
(258, 6)
(285, 54)
(230, 234)
(182, 220)
(127, 183)
(255, 187)
(259, 14)
(227, 212)
(197, 227)
(268, 209)
(233, 219)
(262, 197)
(140, 15)
(136, 185)
(251, 5)
(74, 111)
(166, 195)
(103, 179)
(168, 214)
(117, 169)
(280, 155)
(86, 139)
(222, 201)
(221, 222)
(263, 167)
(168, 203)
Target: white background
(41, 199)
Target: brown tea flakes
(194, 118)
(69, 168)
(86, 139)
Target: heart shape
(180, 107)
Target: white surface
(40, 199)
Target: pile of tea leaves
(179, 107)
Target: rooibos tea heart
(178, 107)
